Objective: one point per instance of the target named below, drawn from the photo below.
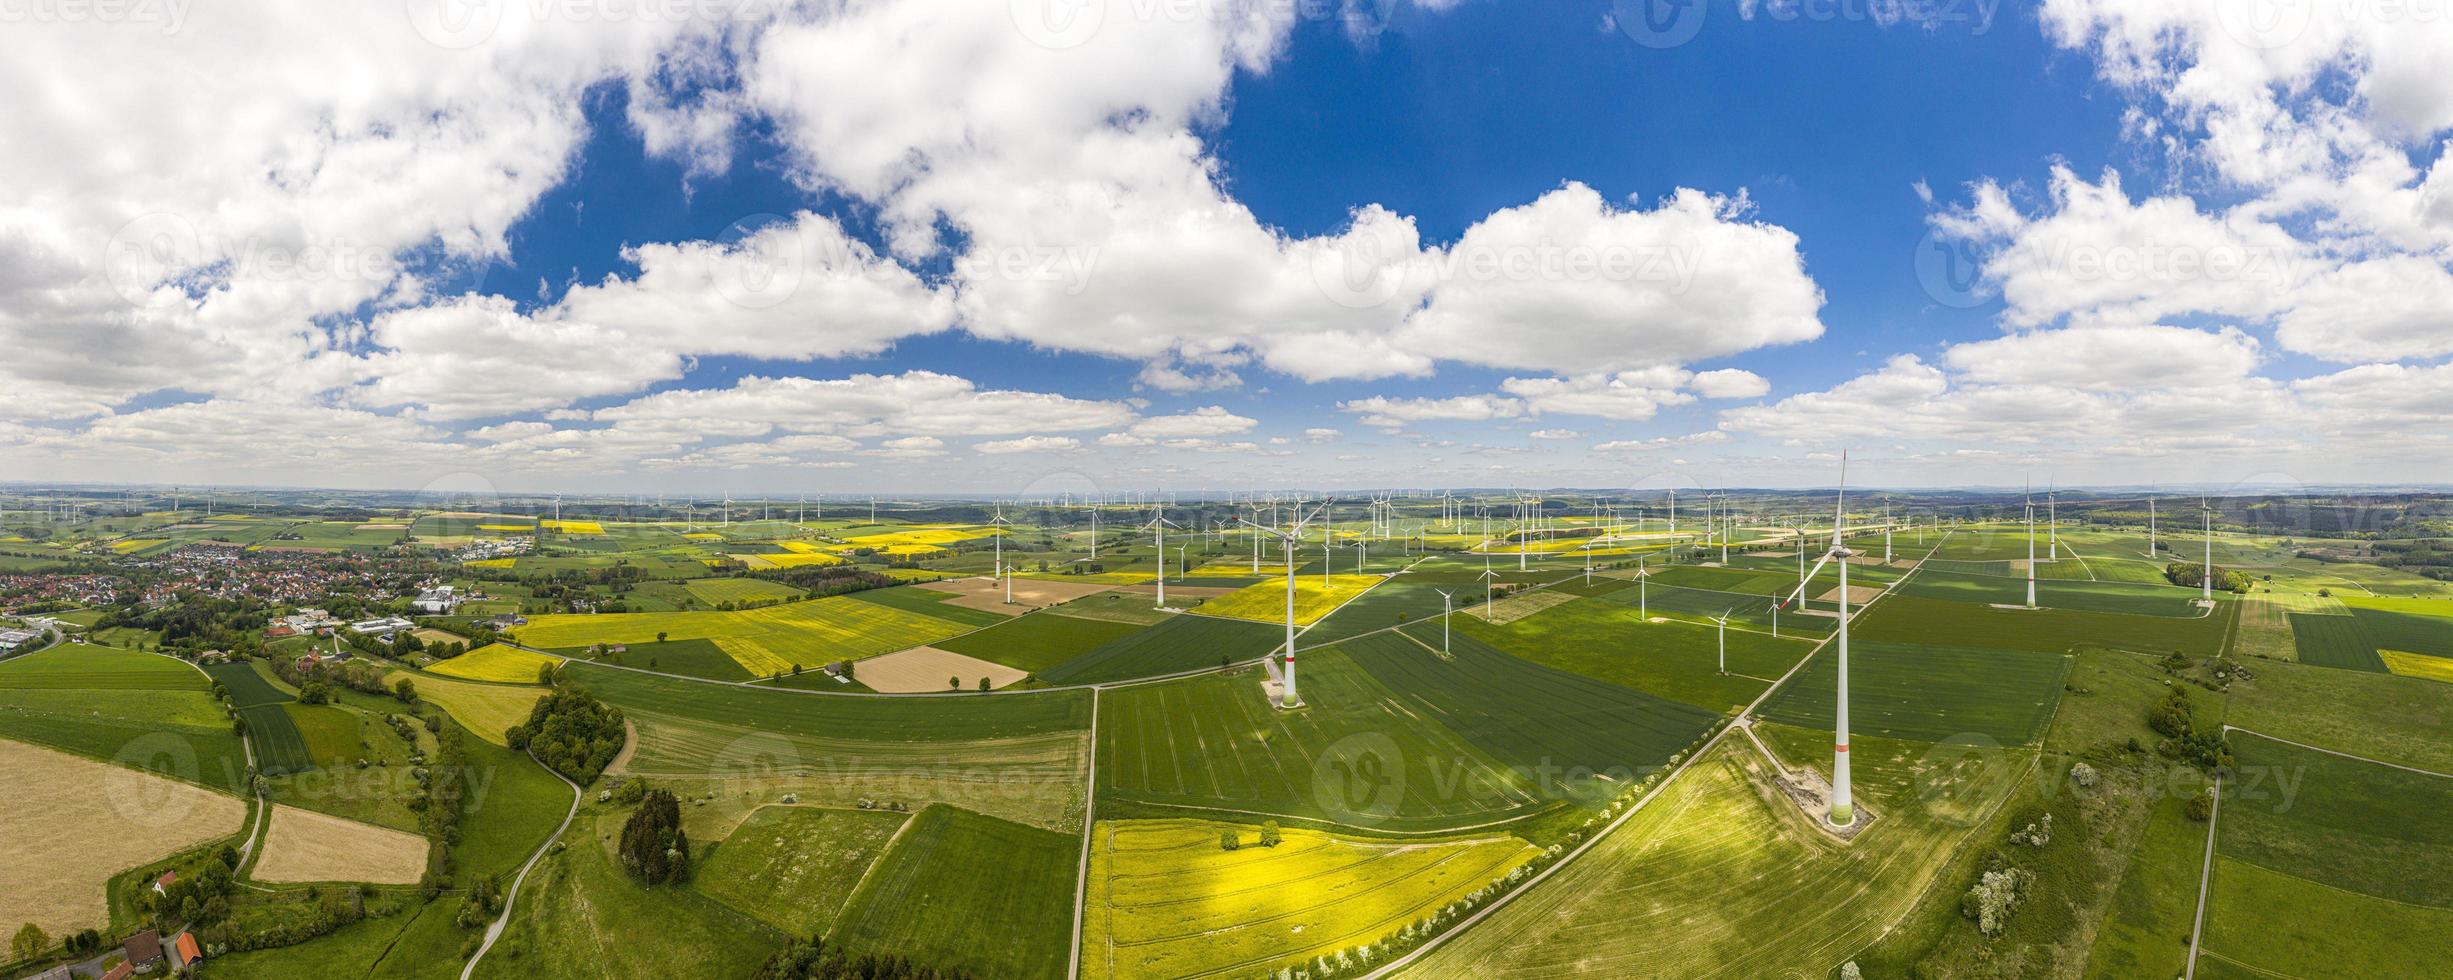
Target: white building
(388, 624)
(11, 639)
(437, 601)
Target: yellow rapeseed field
(493, 662)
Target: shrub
(1994, 896)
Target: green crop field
(2107, 597)
(2409, 625)
(689, 658)
(766, 641)
(486, 710)
(2334, 641)
(135, 709)
(953, 873)
(1165, 900)
(1743, 610)
(2330, 866)
(1927, 693)
(794, 867)
(281, 748)
(1941, 622)
(1214, 742)
(710, 591)
(1182, 643)
(930, 602)
(1038, 641)
(1673, 659)
(1599, 736)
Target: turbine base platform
(1812, 793)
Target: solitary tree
(983, 683)
(953, 683)
(405, 689)
(1269, 833)
(659, 636)
(31, 941)
(1228, 840)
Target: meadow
(1718, 876)
(1018, 757)
(2406, 720)
(960, 890)
(795, 867)
(1927, 693)
(1165, 900)
(2423, 626)
(580, 915)
(712, 591)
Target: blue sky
(2192, 252)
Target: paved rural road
(494, 929)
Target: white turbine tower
(1843, 808)
(1447, 607)
(1158, 526)
(2206, 574)
(2150, 527)
(1291, 540)
(1722, 621)
(1000, 522)
(2031, 551)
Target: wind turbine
(1843, 808)
(1158, 526)
(2031, 550)
(1290, 539)
(1000, 521)
(1094, 532)
(2206, 575)
(2150, 527)
(1488, 577)
(1722, 621)
(1447, 606)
